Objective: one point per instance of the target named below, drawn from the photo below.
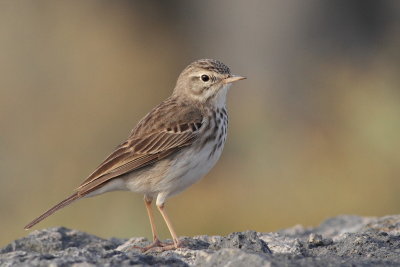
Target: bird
(171, 148)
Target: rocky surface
(340, 241)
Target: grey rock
(234, 257)
(247, 241)
(340, 241)
(315, 240)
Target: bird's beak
(233, 78)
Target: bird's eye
(205, 78)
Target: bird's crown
(210, 65)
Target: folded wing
(161, 133)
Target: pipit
(171, 148)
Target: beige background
(314, 131)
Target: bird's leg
(156, 241)
(177, 243)
(151, 218)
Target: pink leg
(177, 243)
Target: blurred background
(314, 130)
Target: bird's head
(206, 81)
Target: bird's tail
(56, 207)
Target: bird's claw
(158, 246)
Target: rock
(315, 240)
(234, 257)
(339, 241)
(247, 241)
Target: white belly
(174, 174)
(192, 167)
(170, 177)
(187, 170)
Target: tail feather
(56, 207)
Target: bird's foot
(158, 246)
(156, 243)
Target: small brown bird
(171, 148)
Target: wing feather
(117, 171)
(146, 146)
